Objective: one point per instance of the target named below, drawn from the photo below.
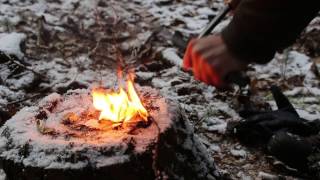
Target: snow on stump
(61, 138)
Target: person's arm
(261, 27)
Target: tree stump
(42, 142)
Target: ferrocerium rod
(215, 21)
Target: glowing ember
(119, 106)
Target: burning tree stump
(61, 139)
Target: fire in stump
(80, 135)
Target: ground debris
(70, 49)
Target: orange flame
(119, 106)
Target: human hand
(210, 61)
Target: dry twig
(42, 77)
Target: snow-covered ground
(70, 44)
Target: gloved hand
(285, 135)
(259, 127)
(210, 60)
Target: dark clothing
(261, 27)
(282, 132)
(292, 149)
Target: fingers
(260, 118)
(215, 78)
(204, 72)
(196, 64)
(205, 45)
(252, 134)
(187, 59)
(259, 121)
(248, 113)
(210, 61)
(196, 58)
(282, 101)
(207, 74)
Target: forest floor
(56, 45)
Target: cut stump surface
(38, 143)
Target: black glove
(259, 127)
(285, 135)
(296, 151)
(291, 149)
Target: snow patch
(308, 115)
(215, 148)
(215, 125)
(238, 153)
(294, 63)
(10, 43)
(2, 175)
(170, 54)
(267, 176)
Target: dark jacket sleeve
(259, 28)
